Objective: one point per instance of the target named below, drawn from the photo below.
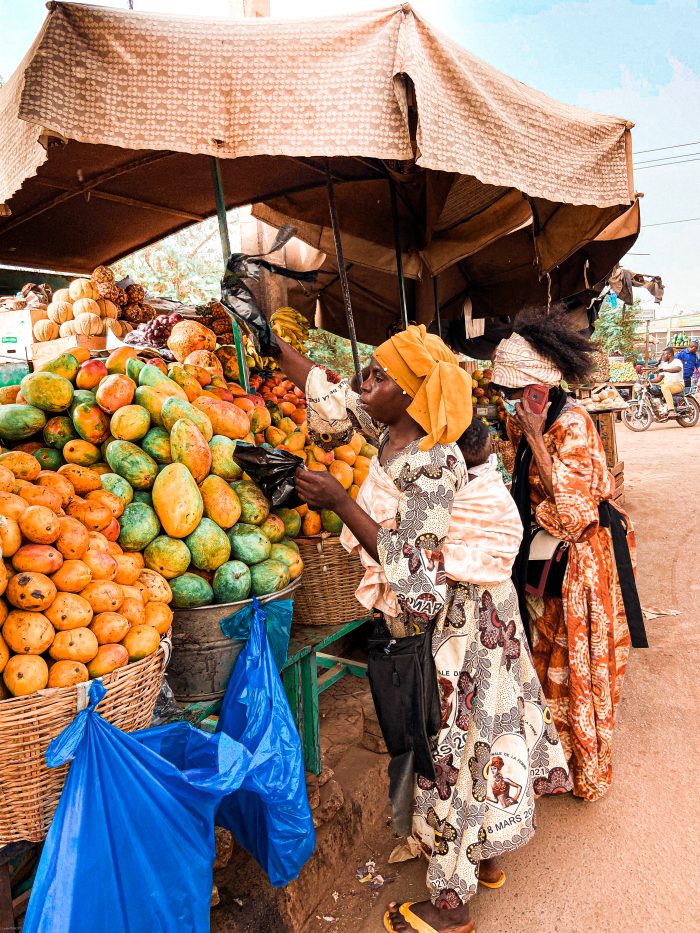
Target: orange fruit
(343, 472)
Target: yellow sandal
(414, 921)
(495, 884)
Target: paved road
(627, 863)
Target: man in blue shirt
(689, 358)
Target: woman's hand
(319, 490)
(529, 422)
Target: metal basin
(203, 658)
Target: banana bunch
(291, 326)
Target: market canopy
(107, 125)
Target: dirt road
(627, 863)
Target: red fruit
(90, 373)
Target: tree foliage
(336, 352)
(616, 328)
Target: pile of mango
(161, 440)
(74, 604)
(349, 463)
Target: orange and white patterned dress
(580, 643)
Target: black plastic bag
(273, 471)
(240, 301)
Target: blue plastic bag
(277, 618)
(270, 816)
(131, 846)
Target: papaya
(40, 525)
(72, 576)
(311, 524)
(59, 483)
(289, 556)
(12, 505)
(76, 644)
(114, 392)
(177, 500)
(156, 443)
(80, 397)
(69, 610)
(188, 446)
(118, 486)
(130, 423)
(132, 369)
(143, 495)
(109, 627)
(117, 359)
(159, 616)
(225, 417)
(190, 591)
(269, 576)
(153, 587)
(20, 421)
(152, 402)
(8, 396)
(108, 658)
(81, 452)
(139, 526)
(67, 674)
(27, 632)
(91, 423)
(208, 545)
(254, 506)
(187, 383)
(221, 504)
(141, 641)
(110, 499)
(289, 542)
(42, 495)
(58, 431)
(47, 391)
(260, 419)
(175, 409)
(25, 674)
(222, 458)
(170, 557)
(133, 464)
(231, 582)
(22, 465)
(49, 459)
(90, 374)
(331, 522)
(343, 472)
(249, 544)
(151, 375)
(37, 558)
(202, 375)
(7, 479)
(65, 365)
(83, 479)
(273, 528)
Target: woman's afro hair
(550, 332)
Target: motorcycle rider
(669, 378)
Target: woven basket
(331, 576)
(505, 448)
(29, 789)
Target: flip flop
(414, 921)
(495, 884)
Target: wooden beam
(129, 202)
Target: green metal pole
(226, 250)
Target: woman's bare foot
(444, 921)
(489, 870)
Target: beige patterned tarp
(313, 87)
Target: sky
(637, 59)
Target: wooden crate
(44, 352)
(605, 425)
(618, 472)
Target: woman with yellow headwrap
(415, 402)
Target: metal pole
(397, 248)
(342, 272)
(436, 299)
(226, 250)
(646, 348)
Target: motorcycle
(645, 408)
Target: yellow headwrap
(427, 370)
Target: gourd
(119, 328)
(107, 309)
(45, 330)
(61, 294)
(90, 325)
(85, 306)
(83, 288)
(60, 311)
(67, 329)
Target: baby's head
(475, 444)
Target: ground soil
(627, 863)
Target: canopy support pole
(226, 250)
(342, 272)
(397, 247)
(436, 299)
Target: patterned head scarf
(517, 364)
(427, 370)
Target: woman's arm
(294, 364)
(323, 491)
(532, 426)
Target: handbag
(549, 558)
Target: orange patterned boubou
(580, 642)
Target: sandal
(414, 921)
(500, 881)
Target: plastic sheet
(275, 616)
(273, 470)
(270, 816)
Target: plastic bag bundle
(273, 470)
(131, 846)
(275, 616)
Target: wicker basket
(331, 576)
(505, 448)
(29, 789)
